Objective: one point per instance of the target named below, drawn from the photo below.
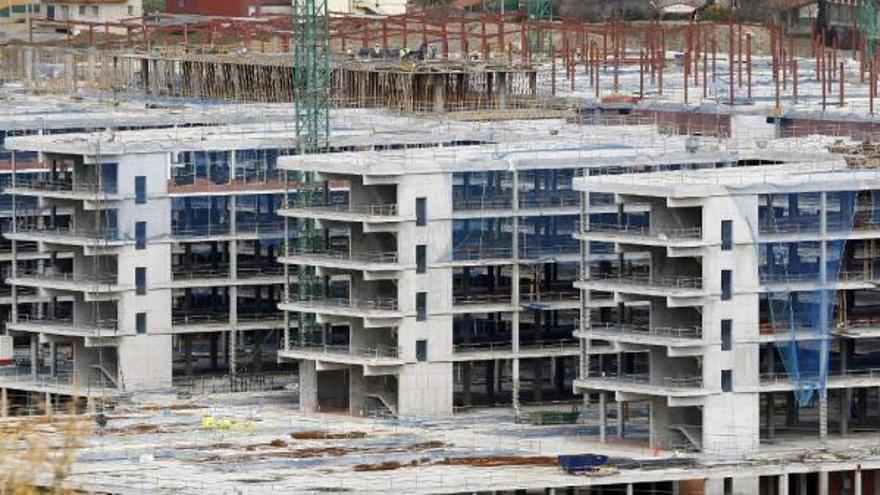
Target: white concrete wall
(731, 420)
(425, 389)
(107, 12)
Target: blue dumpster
(581, 463)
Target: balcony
(549, 301)
(62, 189)
(646, 284)
(368, 308)
(499, 202)
(341, 212)
(644, 334)
(478, 351)
(470, 303)
(66, 326)
(224, 231)
(349, 260)
(643, 383)
(80, 282)
(93, 238)
(483, 254)
(641, 235)
(345, 354)
(792, 282)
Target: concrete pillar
(48, 402)
(4, 403)
(602, 418)
(622, 411)
(782, 487)
(845, 401)
(823, 483)
(53, 359)
(34, 355)
(257, 353)
(857, 481)
(629, 489)
(439, 85)
(215, 345)
(538, 380)
(308, 386)
(466, 383)
(501, 89)
(803, 482)
(357, 391)
(791, 410)
(187, 355)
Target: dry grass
(36, 454)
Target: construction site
(448, 247)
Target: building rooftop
(563, 145)
(258, 443)
(26, 111)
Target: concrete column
(845, 401)
(187, 355)
(48, 402)
(357, 393)
(34, 355)
(53, 359)
(857, 482)
(782, 487)
(501, 89)
(629, 489)
(602, 418)
(803, 481)
(823, 483)
(622, 410)
(4, 403)
(490, 381)
(538, 380)
(215, 344)
(439, 92)
(791, 410)
(466, 383)
(308, 386)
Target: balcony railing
(676, 234)
(807, 224)
(378, 303)
(67, 186)
(377, 209)
(507, 346)
(73, 233)
(561, 199)
(108, 324)
(199, 318)
(373, 352)
(84, 278)
(475, 253)
(191, 272)
(464, 299)
(693, 382)
(647, 280)
(363, 256)
(646, 330)
(490, 203)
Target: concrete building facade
(756, 317)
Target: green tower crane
(311, 51)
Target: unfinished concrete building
(750, 322)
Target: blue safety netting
(795, 300)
